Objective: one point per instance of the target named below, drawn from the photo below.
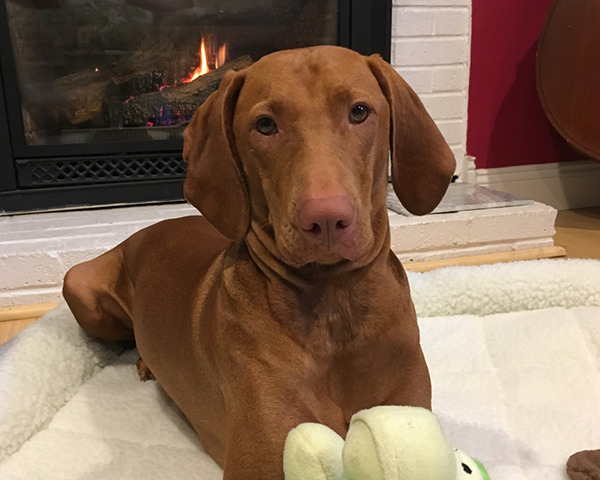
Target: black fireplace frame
(364, 26)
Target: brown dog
(283, 303)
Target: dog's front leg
(255, 449)
(260, 424)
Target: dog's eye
(266, 126)
(359, 113)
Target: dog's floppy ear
(214, 183)
(422, 162)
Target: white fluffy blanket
(513, 349)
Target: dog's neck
(263, 250)
(326, 305)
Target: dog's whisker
(265, 225)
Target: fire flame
(203, 68)
(209, 59)
(221, 56)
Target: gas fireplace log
(155, 64)
(82, 97)
(79, 97)
(174, 104)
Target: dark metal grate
(98, 169)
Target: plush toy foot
(397, 443)
(313, 451)
(383, 443)
(468, 468)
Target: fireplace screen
(98, 92)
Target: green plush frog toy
(383, 443)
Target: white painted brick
(431, 3)
(436, 79)
(453, 234)
(454, 131)
(451, 21)
(444, 106)
(431, 49)
(416, 51)
(420, 78)
(34, 269)
(411, 22)
(450, 78)
(459, 152)
(27, 296)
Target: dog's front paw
(144, 372)
(313, 452)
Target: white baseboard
(563, 185)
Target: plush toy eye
(266, 126)
(466, 468)
(359, 113)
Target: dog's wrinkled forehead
(308, 71)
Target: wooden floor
(577, 231)
(15, 319)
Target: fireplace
(94, 95)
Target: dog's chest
(332, 317)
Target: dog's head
(295, 148)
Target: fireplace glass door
(97, 92)
(135, 70)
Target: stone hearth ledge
(37, 249)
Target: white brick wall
(431, 42)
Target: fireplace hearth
(95, 95)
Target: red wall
(507, 125)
